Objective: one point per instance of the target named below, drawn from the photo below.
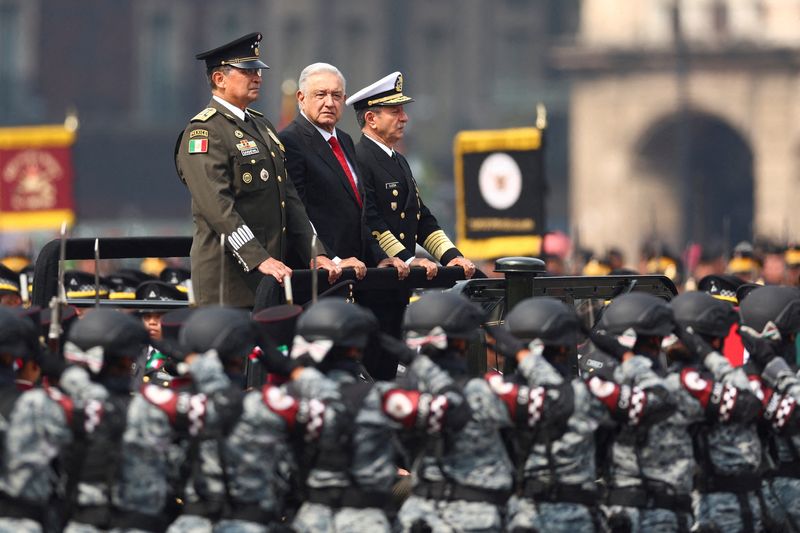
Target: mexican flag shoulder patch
(198, 146)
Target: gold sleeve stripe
(8, 287)
(389, 243)
(437, 244)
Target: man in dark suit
(233, 164)
(395, 212)
(321, 162)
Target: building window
(158, 69)
(10, 71)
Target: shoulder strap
(204, 115)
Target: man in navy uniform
(233, 163)
(395, 212)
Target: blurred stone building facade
(127, 67)
(684, 116)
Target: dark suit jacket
(395, 213)
(235, 172)
(326, 191)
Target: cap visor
(256, 63)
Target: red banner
(36, 177)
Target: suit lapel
(325, 152)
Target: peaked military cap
(176, 276)
(240, 53)
(384, 92)
(122, 285)
(79, 284)
(159, 291)
(9, 280)
(721, 286)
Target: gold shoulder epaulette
(204, 115)
(254, 112)
(275, 138)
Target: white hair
(316, 68)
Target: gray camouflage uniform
(729, 449)
(255, 454)
(563, 469)
(661, 460)
(370, 467)
(475, 457)
(781, 489)
(38, 431)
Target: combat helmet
(547, 319)
(330, 323)
(18, 336)
(448, 313)
(103, 335)
(645, 314)
(706, 315)
(228, 331)
(772, 312)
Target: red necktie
(337, 151)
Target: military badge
(247, 147)
(238, 134)
(264, 174)
(394, 206)
(198, 146)
(198, 133)
(247, 177)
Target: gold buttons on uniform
(247, 177)
(283, 204)
(273, 154)
(253, 161)
(417, 216)
(284, 229)
(395, 193)
(403, 214)
(280, 179)
(402, 236)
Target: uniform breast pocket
(252, 173)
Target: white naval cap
(386, 91)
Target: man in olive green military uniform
(233, 164)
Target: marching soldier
(352, 468)
(770, 318)
(239, 460)
(48, 421)
(556, 485)
(463, 479)
(726, 443)
(233, 164)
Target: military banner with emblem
(500, 186)
(36, 177)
